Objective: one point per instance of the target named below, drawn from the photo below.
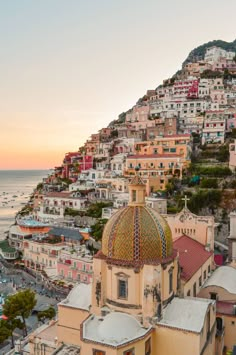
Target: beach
(16, 186)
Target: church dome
(137, 233)
(119, 327)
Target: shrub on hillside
(214, 171)
(209, 183)
(201, 199)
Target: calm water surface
(16, 186)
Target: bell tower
(137, 190)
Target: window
(148, 348)
(129, 352)
(133, 195)
(205, 275)
(219, 324)
(213, 295)
(200, 281)
(123, 289)
(188, 293)
(194, 290)
(98, 352)
(209, 269)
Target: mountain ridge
(198, 53)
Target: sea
(16, 186)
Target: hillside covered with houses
(171, 156)
(180, 138)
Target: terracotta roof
(224, 307)
(151, 156)
(58, 194)
(192, 255)
(185, 135)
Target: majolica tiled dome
(137, 234)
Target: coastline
(16, 188)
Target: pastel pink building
(138, 117)
(75, 265)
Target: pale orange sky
(69, 67)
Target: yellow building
(179, 144)
(131, 306)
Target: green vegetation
(214, 171)
(232, 184)
(71, 212)
(233, 133)
(114, 133)
(7, 328)
(6, 248)
(95, 209)
(97, 229)
(209, 183)
(53, 240)
(201, 199)
(210, 74)
(196, 137)
(223, 153)
(25, 210)
(49, 313)
(18, 307)
(39, 186)
(199, 52)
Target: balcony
(35, 252)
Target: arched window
(123, 288)
(219, 323)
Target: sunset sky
(69, 67)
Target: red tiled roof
(157, 156)
(192, 255)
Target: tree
(209, 183)
(4, 331)
(7, 328)
(97, 229)
(20, 305)
(49, 313)
(114, 133)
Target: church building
(133, 306)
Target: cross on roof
(185, 199)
